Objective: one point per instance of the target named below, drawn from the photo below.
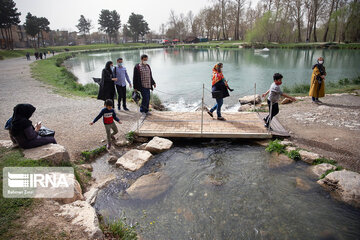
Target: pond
(181, 73)
(229, 190)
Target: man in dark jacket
(143, 82)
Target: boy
(109, 115)
(274, 96)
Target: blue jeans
(217, 107)
(145, 93)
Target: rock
(308, 157)
(87, 167)
(344, 185)
(53, 153)
(90, 196)
(245, 107)
(320, 169)
(289, 149)
(6, 144)
(122, 143)
(82, 214)
(286, 101)
(149, 186)
(112, 159)
(158, 145)
(134, 159)
(286, 143)
(263, 143)
(301, 184)
(279, 160)
(77, 195)
(197, 156)
(142, 146)
(250, 99)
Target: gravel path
(331, 129)
(68, 116)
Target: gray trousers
(108, 127)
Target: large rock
(158, 145)
(344, 185)
(279, 160)
(308, 157)
(301, 184)
(82, 214)
(134, 159)
(6, 144)
(122, 143)
(245, 107)
(320, 169)
(286, 101)
(250, 99)
(149, 186)
(77, 195)
(53, 153)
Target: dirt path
(331, 129)
(68, 116)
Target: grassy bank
(5, 54)
(240, 44)
(341, 86)
(53, 72)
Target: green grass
(130, 136)
(294, 154)
(275, 146)
(10, 208)
(324, 160)
(89, 155)
(338, 168)
(343, 85)
(119, 229)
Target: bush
(119, 229)
(295, 155)
(91, 89)
(88, 155)
(130, 136)
(323, 160)
(275, 146)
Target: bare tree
(297, 8)
(239, 8)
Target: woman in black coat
(23, 131)
(107, 84)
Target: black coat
(107, 86)
(220, 86)
(137, 78)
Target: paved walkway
(188, 124)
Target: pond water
(180, 73)
(227, 190)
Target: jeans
(217, 107)
(273, 113)
(108, 127)
(145, 93)
(121, 91)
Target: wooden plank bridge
(245, 125)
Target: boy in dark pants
(274, 96)
(108, 114)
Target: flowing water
(229, 190)
(180, 73)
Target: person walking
(317, 84)
(121, 74)
(28, 56)
(219, 90)
(107, 85)
(143, 81)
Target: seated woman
(23, 131)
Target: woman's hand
(37, 127)
(114, 79)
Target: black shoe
(267, 126)
(210, 113)
(264, 120)
(119, 108)
(126, 109)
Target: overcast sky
(64, 14)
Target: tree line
(270, 21)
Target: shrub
(295, 155)
(130, 136)
(275, 146)
(119, 229)
(323, 160)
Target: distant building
(192, 40)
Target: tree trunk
(336, 21)
(237, 24)
(11, 39)
(315, 18)
(328, 22)
(7, 38)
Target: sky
(64, 14)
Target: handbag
(46, 132)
